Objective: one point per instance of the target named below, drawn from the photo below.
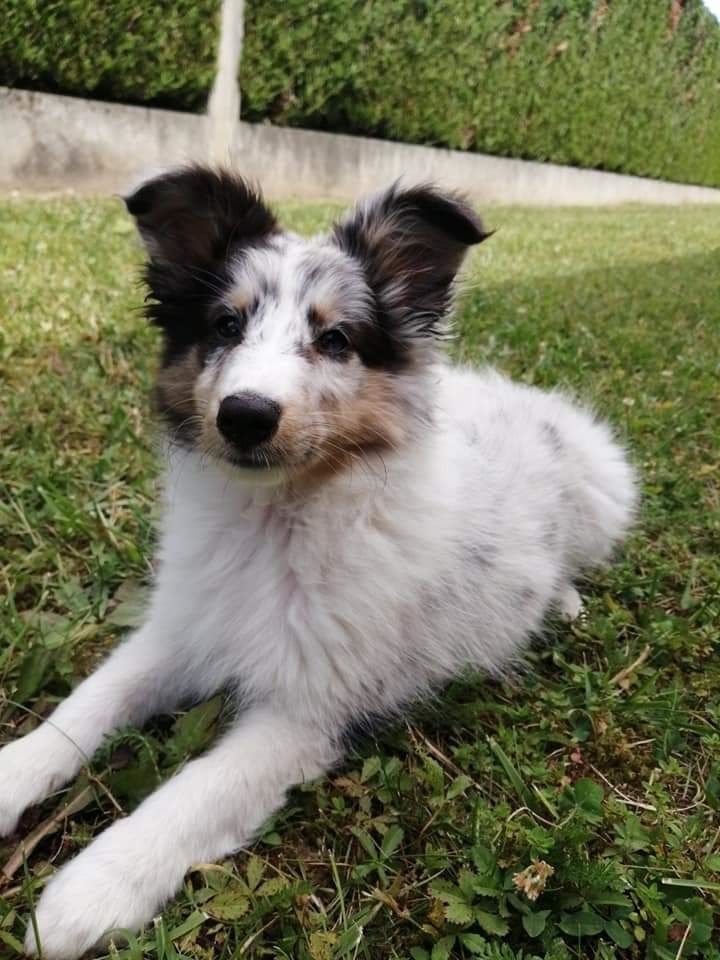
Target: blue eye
(333, 343)
(229, 326)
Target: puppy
(348, 522)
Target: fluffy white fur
(317, 610)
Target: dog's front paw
(113, 887)
(81, 908)
(13, 789)
(28, 772)
(10, 813)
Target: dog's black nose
(247, 419)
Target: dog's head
(284, 354)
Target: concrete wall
(51, 142)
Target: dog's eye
(333, 343)
(229, 326)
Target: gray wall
(51, 142)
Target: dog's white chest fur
(309, 603)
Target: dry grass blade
(45, 829)
(622, 677)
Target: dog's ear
(411, 243)
(198, 215)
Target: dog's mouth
(258, 460)
(267, 464)
(272, 459)
(265, 458)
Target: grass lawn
(602, 761)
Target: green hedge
(583, 82)
(134, 51)
(616, 84)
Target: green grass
(610, 777)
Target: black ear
(198, 215)
(411, 243)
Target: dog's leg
(138, 680)
(209, 809)
(569, 604)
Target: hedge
(133, 51)
(626, 85)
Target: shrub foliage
(626, 85)
(136, 51)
